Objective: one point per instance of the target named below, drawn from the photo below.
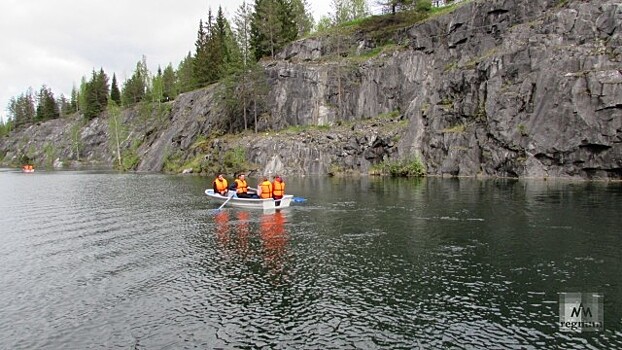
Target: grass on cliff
(381, 28)
(413, 167)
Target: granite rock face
(495, 88)
(519, 88)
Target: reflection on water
(94, 260)
(274, 241)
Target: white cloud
(56, 43)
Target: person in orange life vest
(241, 187)
(278, 188)
(220, 185)
(264, 190)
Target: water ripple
(142, 261)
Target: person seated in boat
(264, 190)
(278, 188)
(240, 187)
(221, 186)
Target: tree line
(223, 52)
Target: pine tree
(302, 17)
(201, 63)
(349, 10)
(185, 75)
(169, 85)
(64, 105)
(115, 93)
(73, 103)
(97, 92)
(242, 23)
(82, 95)
(289, 29)
(22, 109)
(135, 88)
(238, 84)
(157, 87)
(46, 105)
(265, 28)
(273, 25)
(216, 51)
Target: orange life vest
(242, 187)
(266, 190)
(278, 189)
(221, 186)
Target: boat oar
(222, 205)
(299, 199)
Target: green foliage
(172, 161)
(76, 139)
(185, 75)
(335, 169)
(323, 25)
(115, 93)
(215, 49)
(22, 109)
(5, 128)
(130, 157)
(405, 168)
(73, 101)
(242, 33)
(272, 26)
(302, 17)
(382, 29)
(389, 115)
(64, 106)
(202, 142)
(197, 164)
(306, 128)
(116, 131)
(446, 102)
(47, 108)
(235, 158)
(96, 93)
(49, 152)
(522, 130)
(459, 128)
(169, 86)
(27, 158)
(156, 93)
(423, 5)
(244, 95)
(349, 10)
(135, 88)
(372, 53)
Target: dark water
(125, 261)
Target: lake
(102, 260)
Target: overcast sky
(56, 42)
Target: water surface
(106, 260)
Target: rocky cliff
(521, 88)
